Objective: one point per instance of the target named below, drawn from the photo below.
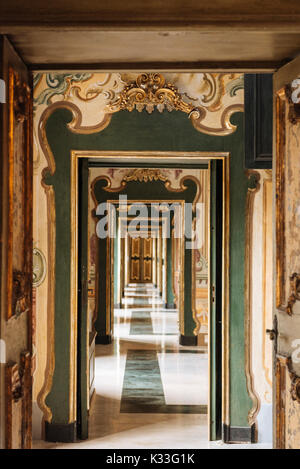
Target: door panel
(147, 247)
(141, 260)
(286, 330)
(135, 247)
(16, 247)
(147, 270)
(135, 270)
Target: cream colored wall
(40, 241)
(261, 303)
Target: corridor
(146, 391)
(150, 392)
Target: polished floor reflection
(157, 400)
(150, 392)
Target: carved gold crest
(150, 90)
(145, 175)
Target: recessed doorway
(145, 319)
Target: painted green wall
(141, 131)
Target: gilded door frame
(153, 156)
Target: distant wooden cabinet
(258, 120)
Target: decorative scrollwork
(295, 295)
(150, 90)
(145, 175)
(253, 188)
(295, 382)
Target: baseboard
(239, 434)
(60, 432)
(189, 340)
(103, 339)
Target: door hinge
(213, 293)
(272, 333)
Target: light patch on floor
(184, 377)
(181, 384)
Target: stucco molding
(253, 188)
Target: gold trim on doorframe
(51, 235)
(157, 156)
(280, 188)
(173, 267)
(120, 251)
(74, 286)
(194, 309)
(50, 361)
(225, 418)
(252, 191)
(267, 181)
(95, 313)
(160, 283)
(225, 294)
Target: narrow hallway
(147, 392)
(150, 392)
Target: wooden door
(85, 344)
(286, 311)
(141, 260)
(215, 312)
(16, 247)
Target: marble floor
(150, 392)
